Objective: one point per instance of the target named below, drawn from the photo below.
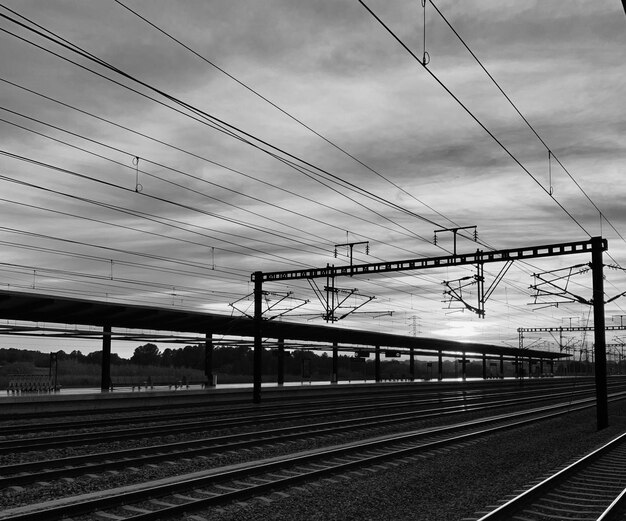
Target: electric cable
(225, 127)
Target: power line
(214, 122)
(473, 116)
(279, 108)
(176, 170)
(534, 131)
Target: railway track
(158, 424)
(24, 474)
(170, 497)
(423, 409)
(359, 397)
(592, 488)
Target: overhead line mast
(596, 246)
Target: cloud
(330, 65)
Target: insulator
(367, 249)
(335, 253)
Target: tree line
(235, 360)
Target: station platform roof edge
(36, 307)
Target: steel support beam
(602, 407)
(479, 257)
(258, 338)
(596, 246)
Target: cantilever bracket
(269, 305)
(333, 299)
(555, 285)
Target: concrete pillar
(335, 375)
(377, 364)
(464, 363)
(412, 363)
(440, 366)
(208, 359)
(105, 381)
(484, 367)
(280, 373)
(502, 366)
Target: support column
(602, 406)
(501, 366)
(258, 338)
(105, 381)
(440, 366)
(412, 363)
(377, 364)
(208, 359)
(280, 377)
(464, 363)
(484, 367)
(530, 367)
(540, 366)
(551, 364)
(335, 375)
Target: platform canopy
(39, 308)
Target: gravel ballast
(448, 486)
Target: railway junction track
(170, 496)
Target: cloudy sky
(229, 137)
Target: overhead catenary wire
(282, 110)
(200, 115)
(203, 158)
(551, 154)
(255, 92)
(176, 170)
(472, 115)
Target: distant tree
(167, 357)
(147, 354)
(93, 358)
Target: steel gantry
(561, 330)
(596, 246)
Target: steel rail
(311, 465)
(23, 444)
(404, 396)
(49, 469)
(535, 503)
